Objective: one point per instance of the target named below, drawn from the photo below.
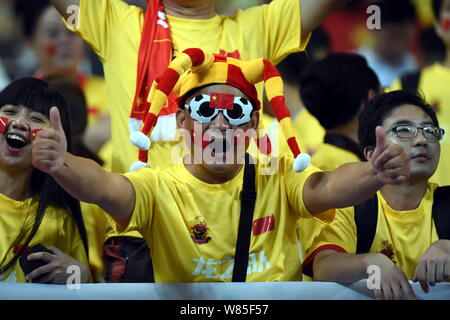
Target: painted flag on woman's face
(3, 122)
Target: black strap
(441, 212)
(410, 81)
(366, 216)
(248, 199)
(345, 143)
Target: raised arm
(353, 183)
(84, 179)
(63, 6)
(315, 11)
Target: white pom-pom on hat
(135, 124)
(136, 166)
(140, 140)
(301, 162)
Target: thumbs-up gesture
(50, 146)
(389, 160)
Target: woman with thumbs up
(41, 230)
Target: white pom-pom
(301, 162)
(134, 124)
(140, 140)
(138, 165)
(165, 128)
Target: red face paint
(445, 23)
(34, 133)
(221, 101)
(50, 49)
(199, 139)
(3, 122)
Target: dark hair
(77, 112)
(334, 89)
(320, 39)
(432, 47)
(437, 9)
(38, 96)
(380, 107)
(396, 11)
(29, 12)
(292, 66)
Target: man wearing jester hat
(136, 47)
(167, 205)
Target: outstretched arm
(84, 179)
(353, 183)
(63, 5)
(315, 11)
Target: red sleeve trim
(308, 264)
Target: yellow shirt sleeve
(339, 235)
(280, 25)
(100, 22)
(295, 183)
(145, 184)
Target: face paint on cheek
(50, 49)
(200, 139)
(34, 133)
(3, 123)
(445, 24)
(240, 139)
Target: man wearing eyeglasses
(400, 239)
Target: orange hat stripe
(279, 108)
(234, 62)
(236, 78)
(253, 70)
(287, 127)
(218, 58)
(274, 87)
(292, 143)
(168, 81)
(197, 56)
(149, 123)
(143, 156)
(269, 70)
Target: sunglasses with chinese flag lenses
(205, 108)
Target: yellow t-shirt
(404, 235)
(57, 229)
(113, 30)
(309, 131)
(96, 99)
(96, 223)
(434, 85)
(191, 226)
(327, 158)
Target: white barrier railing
(205, 291)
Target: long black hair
(38, 96)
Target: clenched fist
(50, 146)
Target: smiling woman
(34, 209)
